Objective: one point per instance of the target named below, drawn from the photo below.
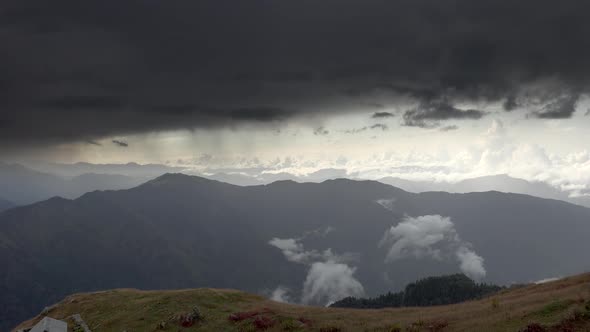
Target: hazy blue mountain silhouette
(500, 182)
(22, 185)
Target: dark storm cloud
(381, 126)
(321, 131)
(120, 144)
(510, 104)
(83, 70)
(562, 107)
(91, 142)
(67, 103)
(380, 115)
(449, 128)
(430, 114)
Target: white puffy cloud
(471, 263)
(386, 203)
(418, 237)
(329, 281)
(281, 294)
(546, 280)
(431, 236)
(293, 250)
(329, 278)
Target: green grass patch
(555, 307)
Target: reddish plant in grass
(568, 324)
(438, 326)
(305, 321)
(330, 329)
(191, 318)
(566, 328)
(240, 316)
(534, 327)
(575, 319)
(263, 322)
(187, 321)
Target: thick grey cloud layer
(429, 114)
(76, 70)
(120, 143)
(380, 115)
(560, 108)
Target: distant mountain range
(501, 182)
(366, 237)
(128, 169)
(21, 185)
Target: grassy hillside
(562, 305)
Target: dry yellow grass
(510, 310)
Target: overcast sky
(440, 89)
